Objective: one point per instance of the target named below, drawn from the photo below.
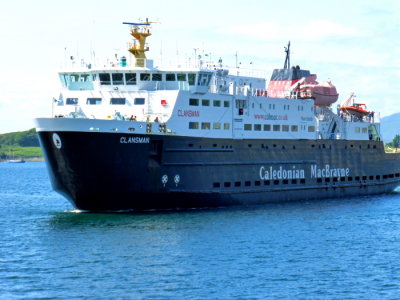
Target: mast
(287, 59)
(140, 31)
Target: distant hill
(26, 138)
(390, 126)
(22, 144)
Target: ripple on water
(343, 248)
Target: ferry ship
(128, 135)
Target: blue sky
(353, 43)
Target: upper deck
(129, 78)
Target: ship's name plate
(267, 173)
(328, 172)
(134, 140)
(188, 113)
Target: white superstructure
(207, 101)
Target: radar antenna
(140, 31)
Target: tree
(396, 141)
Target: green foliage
(12, 152)
(395, 143)
(22, 138)
(23, 144)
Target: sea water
(329, 249)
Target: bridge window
(181, 77)
(156, 77)
(144, 77)
(204, 79)
(93, 101)
(72, 101)
(130, 78)
(217, 103)
(85, 78)
(139, 101)
(226, 104)
(117, 101)
(74, 77)
(170, 77)
(117, 78)
(191, 78)
(105, 79)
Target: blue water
(331, 249)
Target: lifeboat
(296, 83)
(358, 110)
(324, 93)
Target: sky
(355, 44)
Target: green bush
(22, 138)
(23, 144)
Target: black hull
(110, 171)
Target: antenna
(287, 59)
(236, 55)
(140, 31)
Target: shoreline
(28, 159)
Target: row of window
(206, 102)
(357, 178)
(98, 101)
(132, 78)
(263, 146)
(228, 184)
(248, 183)
(271, 106)
(239, 104)
(248, 127)
(207, 125)
(323, 146)
(276, 127)
(363, 130)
